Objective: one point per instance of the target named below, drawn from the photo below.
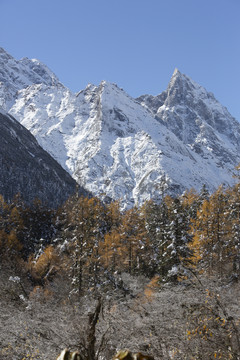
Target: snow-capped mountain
(196, 118)
(121, 147)
(18, 74)
(27, 169)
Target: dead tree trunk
(91, 336)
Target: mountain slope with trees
(28, 170)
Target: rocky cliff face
(120, 147)
(27, 169)
(196, 118)
(18, 74)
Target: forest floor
(190, 320)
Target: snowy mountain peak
(109, 87)
(176, 76)
(180, 86)
(19, 74)
(183, 90)
(176, 72)
(41, 70)
(4, 55)
(196, 118)
(122, 147)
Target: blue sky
(134, 43)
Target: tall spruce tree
(157, 227)
(179, 252)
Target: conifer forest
(164, 276)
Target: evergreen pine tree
(179, 252)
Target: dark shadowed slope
(27, 169)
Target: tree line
(93, 243)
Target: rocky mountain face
(18, 74)
(27, 169)
(197, 119)
(119, 147)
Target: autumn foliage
(92, 241)
(91, 246)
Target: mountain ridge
(122, 147)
